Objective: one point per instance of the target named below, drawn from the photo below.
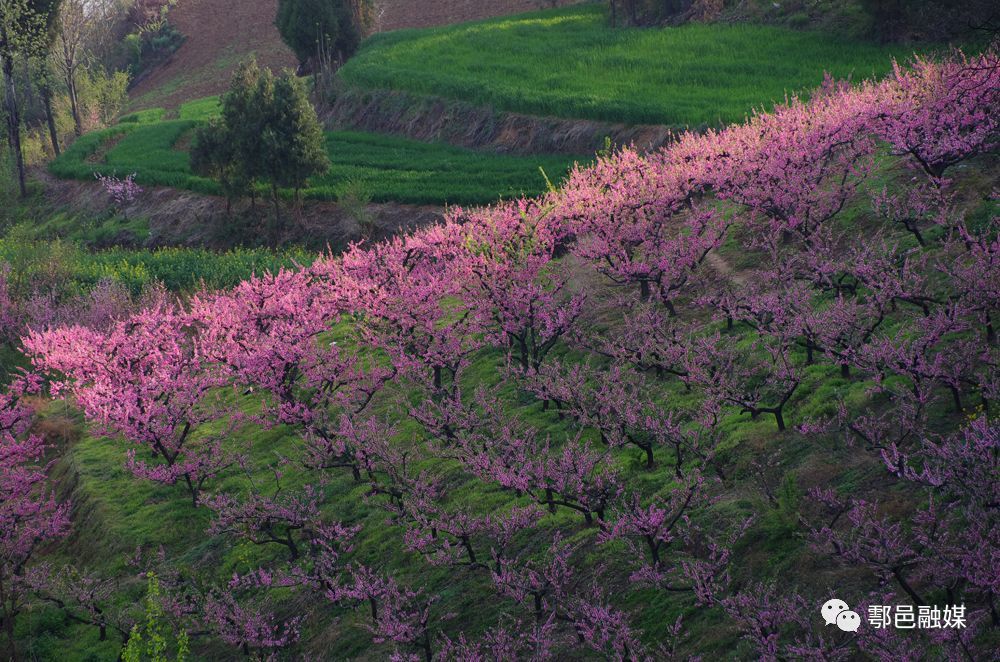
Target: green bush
(144, 49)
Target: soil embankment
(433, 119)
(183, 218)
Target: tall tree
(293, 146)
(52, 9)
(23, 31)
(72, 31)
(45, 80)
(85, 28)
(213, 156)
(244, 115)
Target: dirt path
(719, 263)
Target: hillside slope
(568, 63)
(219, 33)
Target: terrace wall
(396, 14)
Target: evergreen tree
(213, 156)
(293, 139)
(268, 133)
(314, 27)
(244, 114)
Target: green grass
(153, 144)
(144, 116)
(569, 63)
(72, 270)
(87, 230)
(391, 169)
(395, 169)
(200, 109)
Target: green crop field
(570, 63)
(390, 169)
(32, 262)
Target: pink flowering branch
(30, 516)
(122, 191)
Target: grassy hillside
(389, 169)
(569, 63)
(768, 474)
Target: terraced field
(388, 169)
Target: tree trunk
(898, 574)
(779, 419)
(74, 105)
(50, 118)
(277, 213)
(8, 626)
(8, 622)
(428, 651)
(193, 489)
(14, 123)
(956, 397)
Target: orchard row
(648, 304)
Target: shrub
(354, 196)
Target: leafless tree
(86, 29)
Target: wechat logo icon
(837, 612)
